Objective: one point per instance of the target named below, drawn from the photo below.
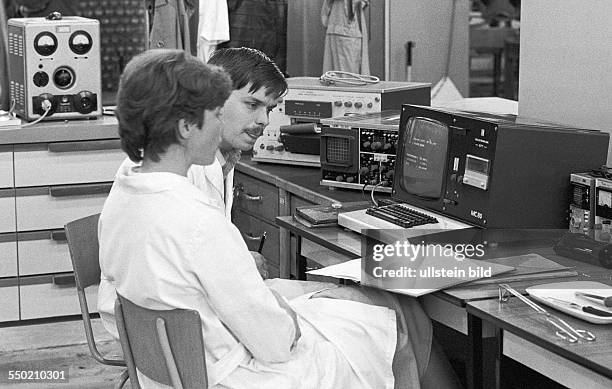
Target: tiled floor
(55, 346)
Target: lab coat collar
(133, 181)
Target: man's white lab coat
(164, 245)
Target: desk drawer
(8, 256)
(256, 197)
(7, 210)
(251, 229)
(51, 207)
(6, 166)
(42, 296)
(9, 296)
(43, 252)
(67, 162)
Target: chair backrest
(167, 346)
(82, 237)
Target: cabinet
(256, 204)
(50, 174)
(265, 191)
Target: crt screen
(424, 157)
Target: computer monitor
(422, 157)
(491, 170)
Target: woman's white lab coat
(164, 244)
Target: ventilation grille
(15, 44)
(17, 93)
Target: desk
(534, 344)
(447, 307)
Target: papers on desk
(418, 286)
(349, 270)
(526, 267)
(508, 269)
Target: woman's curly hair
(157, 89)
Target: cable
(46, 107)
(372, 194)
(333, 77)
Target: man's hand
(261, 263)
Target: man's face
(245, 117)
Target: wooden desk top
(516, 317)
(348, 243)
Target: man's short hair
(247, 65)
(157, 89)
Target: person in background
(164, 244)
(257, 87)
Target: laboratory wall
(391, 25)
(565, 63)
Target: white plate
(566, 291)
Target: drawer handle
(79, 190)
(63, 147)
(249, 197)
(64, 280)
(239, 192)
(249, 236)
(58, 236)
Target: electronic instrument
(603, 208)
(489, 171)
(359, 151)
(54, 67)
(287, 141)
(582, 202)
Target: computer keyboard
(401, 215)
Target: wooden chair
(166, 346)
(82, 237)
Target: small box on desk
(325, 215)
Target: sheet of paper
(419, 285)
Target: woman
(164, 245)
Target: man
(257, 87)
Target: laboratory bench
(473, 311)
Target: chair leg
(122, 379)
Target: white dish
(566, 291)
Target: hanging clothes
(346, 36)
(259, 24)
(170, 25)
(213, 27)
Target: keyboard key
(401, 215)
